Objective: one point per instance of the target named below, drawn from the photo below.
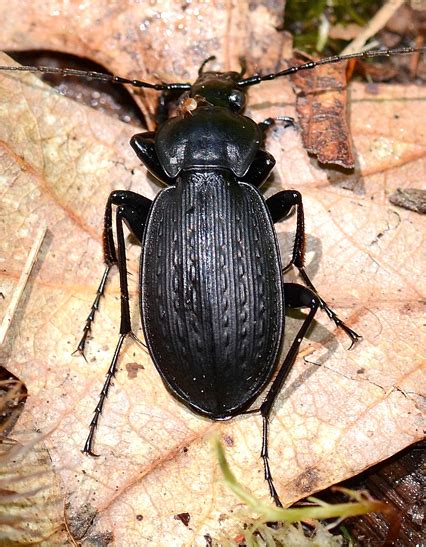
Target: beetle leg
(144, 146)
(264, 162)
(135, 213)
(94, 308)
(295, 296)
(279, 206)
(165, 104)
(132, 207)
(288, 121)
(162, 112)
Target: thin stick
(23, 279)
(374, 25)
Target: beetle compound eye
(237, 100)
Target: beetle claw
(80, 351)
(355, 338)
(90, 452)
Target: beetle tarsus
(353, 336)
(296, 296)
(265, 457)
(90, 453)
(91, 317)
(88, 446)
(80, 349)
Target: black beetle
(212, 296)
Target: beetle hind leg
(295, 296)
(135, 211)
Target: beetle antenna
(257, 78)
(96, 76)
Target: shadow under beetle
(212, 295)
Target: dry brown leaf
(339, 412)
(322, 113)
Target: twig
(373, 27)
(23, 279)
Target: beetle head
(220, 89)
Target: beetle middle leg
(279, 206)
(295, 296)
(144, 146)
(132, 210)
(136, 210)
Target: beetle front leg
(264, 162)
(133, 211)
(166, 101)
(144, 146)
(279, 206)
(288, 121)
(295, 296)
(136, 208)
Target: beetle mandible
(212, 296)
